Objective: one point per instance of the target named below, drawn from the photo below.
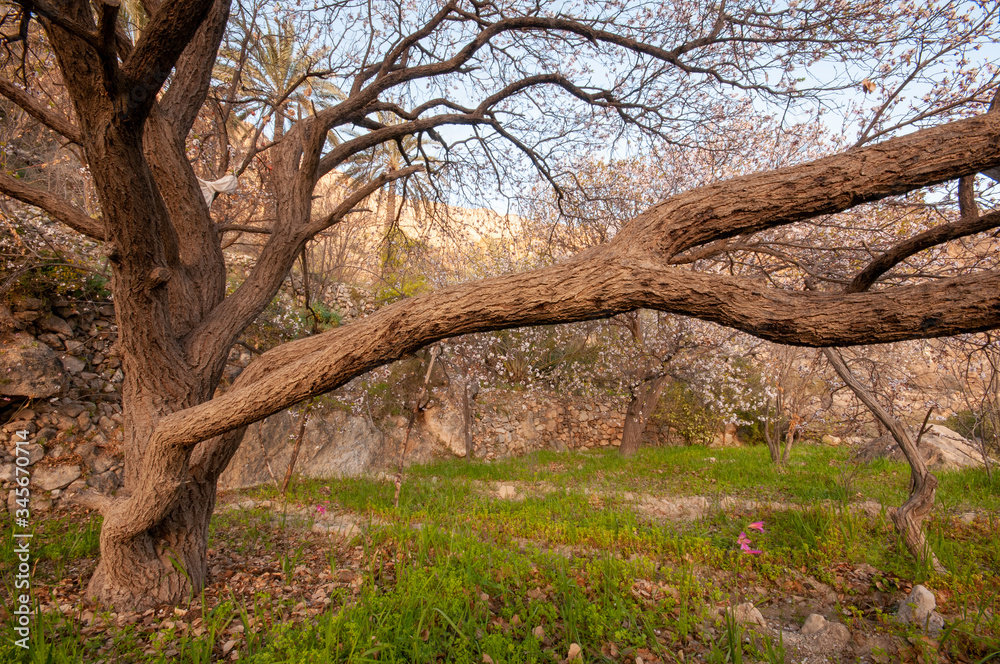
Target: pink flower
(744, 543)
(321, 509)
(757, 525)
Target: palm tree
(274, 62)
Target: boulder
(918, 609)
(29, 368)
(50, 478)
(444, 422)
(942, 448)
(335, 444)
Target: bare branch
(57, 207)
(930, 238)
(51, 119)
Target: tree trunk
(643, 403)
(772, 429)
(470, 392)
(165, 565)
(909, 518)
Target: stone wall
(61, 385)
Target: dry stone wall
(60, 385)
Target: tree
(540, 83)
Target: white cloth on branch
(224, 185)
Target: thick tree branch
(51, 119)
(166, 36)
(181, 101)
(591, 286)
(930, 238)
(57, 207)
(756, 202)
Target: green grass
(454, 573)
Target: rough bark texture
(640, 408)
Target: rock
(46, 433)
(72, 364)
(813, 624)
(20, 425)
(36, 503)
(102, 464)
(72, 409)
(34, 451)
(918, 609)
(51, 340)
(747, 614)
(27, 303)
(66, 310)
(56, 452)
(106, 482)
(507, 492)
(51, 323)
(54, 477)
(29, 368)
(832, 441)
(942, 448)
(336, 444)
(444, 422)
(74, 346)
(7, 472)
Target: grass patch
(456, 574)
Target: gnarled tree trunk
(908, 518)
(644, 400)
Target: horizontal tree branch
(756, 202)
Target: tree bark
(908, 518)
(469, 396)
(640, 408)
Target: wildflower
(745, 543)
(321, 509)
(757, 525)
